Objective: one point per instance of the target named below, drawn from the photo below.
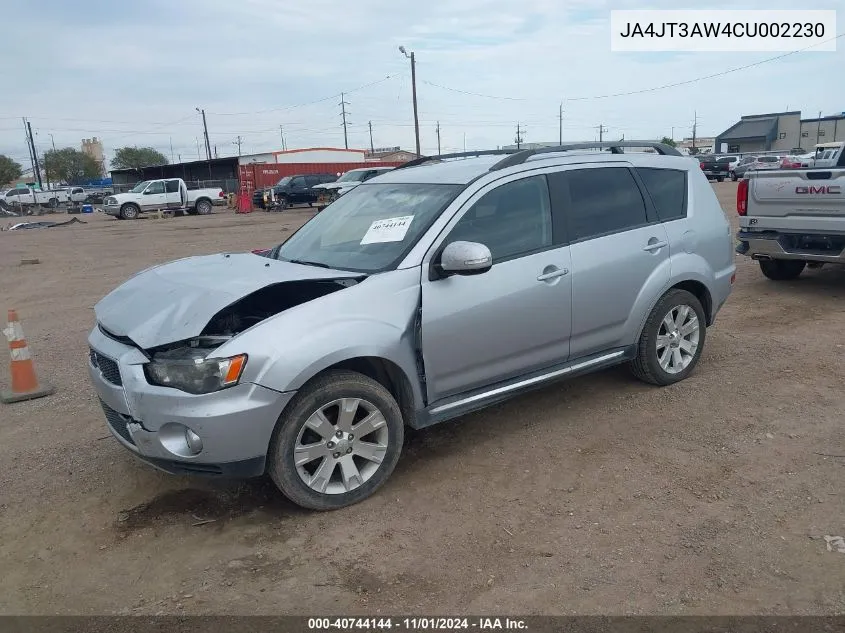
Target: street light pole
(413, 93)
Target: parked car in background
(827, 154)
(163, 194)
(329, 191)
(29, 196)
(792, 218)
(713, 167)
(291, 190)
(755, 163)
(439, 288)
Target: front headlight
(187, 370)
(110, 201)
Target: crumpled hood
(175, 301)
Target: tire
(129, 211)
(652, 366)
(282, 204)
(733, 176)
(782, 269)
(325, 394)
(203, 206)
(720, 179)
(53, 203)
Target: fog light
(193, 440)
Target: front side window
(139, 187)
(298, 182)
(603, 201)
(156, 187)
(512, 220)
(370, 228)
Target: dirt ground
(597, 496)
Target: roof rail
(615, 148)
(482, 152)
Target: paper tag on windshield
(387, 230)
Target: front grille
(107, 367)
(117, 422)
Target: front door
(620, 255)
(154, 196)
(516, 317)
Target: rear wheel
(720, 179)
(337, 443)
(203, 206)
(129, 211)
(282, 204)
(672, 339)
(734, 176)
(782, 269)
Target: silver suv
(438, 288)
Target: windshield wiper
(305, 263)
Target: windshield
(140, 186)
(370, 228)
(284, 181)
(351, 176)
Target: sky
(133, 73)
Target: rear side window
(172, 186)
(603, 201)
(668, 191)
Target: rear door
(620, 253)
(311, 193)
(173, 194)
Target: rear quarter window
(668, 191)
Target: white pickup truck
(160, 195)
(792, 218)
(28, 196)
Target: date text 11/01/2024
(416, 624)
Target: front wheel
(129, 211)
(782, 269)
(338, 443)
(672, 339)
(720, 179)
(734, 176)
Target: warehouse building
(780, 131)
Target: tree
(137, 157)
(668, 141)
(71, 166)
(9, 170)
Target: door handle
(653, 246)
(559, 272)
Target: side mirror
(466, 258)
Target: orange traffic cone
(24, 383)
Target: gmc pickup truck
(792, 218)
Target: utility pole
(438, 138)
(819, 128)
(465, 141)
(53, 141)
(28, 145)
(694, 129)
(343, 105)
(205, 134)
(198, 148)
(215, 151)
(34, 155)
(413, 94)
(372, 147)
(171, 148)
(238, 143)
(282, 134)
(518, 139)
(560, 128)
(180, 157)
(601, 132)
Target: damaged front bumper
(233, 426)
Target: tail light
(742, 197)
(221, 195)
(701, 165)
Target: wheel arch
(385, 372)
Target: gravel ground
(601, 495)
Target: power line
(646, 90)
